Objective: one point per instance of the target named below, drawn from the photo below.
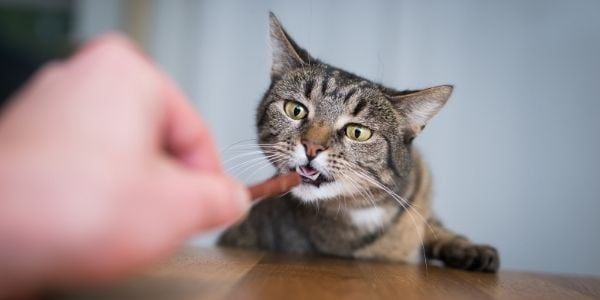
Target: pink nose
(312, 149)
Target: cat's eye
(295, 110)
(358, 132)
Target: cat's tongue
(309, 172)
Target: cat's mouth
(311, 175)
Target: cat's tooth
(314, 177)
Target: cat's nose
(312, 149)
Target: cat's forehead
(332, 77)
(328, 86)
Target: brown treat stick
(274, 186)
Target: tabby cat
(366, 192)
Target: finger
(111, 40)
(119, 74)
(178, 129)
(200, 201)
(186, 137)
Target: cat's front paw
(470, 257)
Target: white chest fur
(368, 218)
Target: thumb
(204, 200)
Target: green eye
(358, 132)
(295, 110)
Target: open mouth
(311, 175)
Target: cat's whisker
(407, 209)
(257, 145)
(268, 163)
(253, 160)
(242, 144)
(253, 147)
(241, 155)
(238, 170)
(250, 143)
(251, 153)
(256, 150)
(362, 192)
(273, 159)
(247, 157)
(356, 188)
(415, 208)
(339, 207)
(405, 204)
(397, 197)
(249, 150)
(284, 194)
(258, 169)
(237, 143)
(269, 159)
(369, 195)
(258, 164)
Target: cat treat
(274, 186)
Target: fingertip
(202, 201)
(230, 204)
(112, 49)
(241, 196)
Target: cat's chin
(307, 192)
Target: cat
(365, 192)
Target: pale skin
(105, 169)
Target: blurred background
(514, 153)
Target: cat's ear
(419, 107)
(287, 55)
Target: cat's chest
(353, 221)
(345, 231)
(368, 219)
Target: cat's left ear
(287, 55)
(420, 106)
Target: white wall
(94, 17)
(514, 153)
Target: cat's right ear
(418, 107)
(287, 55)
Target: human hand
(104, 168)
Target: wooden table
(199, 273)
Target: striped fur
(375, 201)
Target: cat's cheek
(320, 163)
(298, 157)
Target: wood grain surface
(219, 273)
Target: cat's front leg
(457, 251)
(244, 234)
